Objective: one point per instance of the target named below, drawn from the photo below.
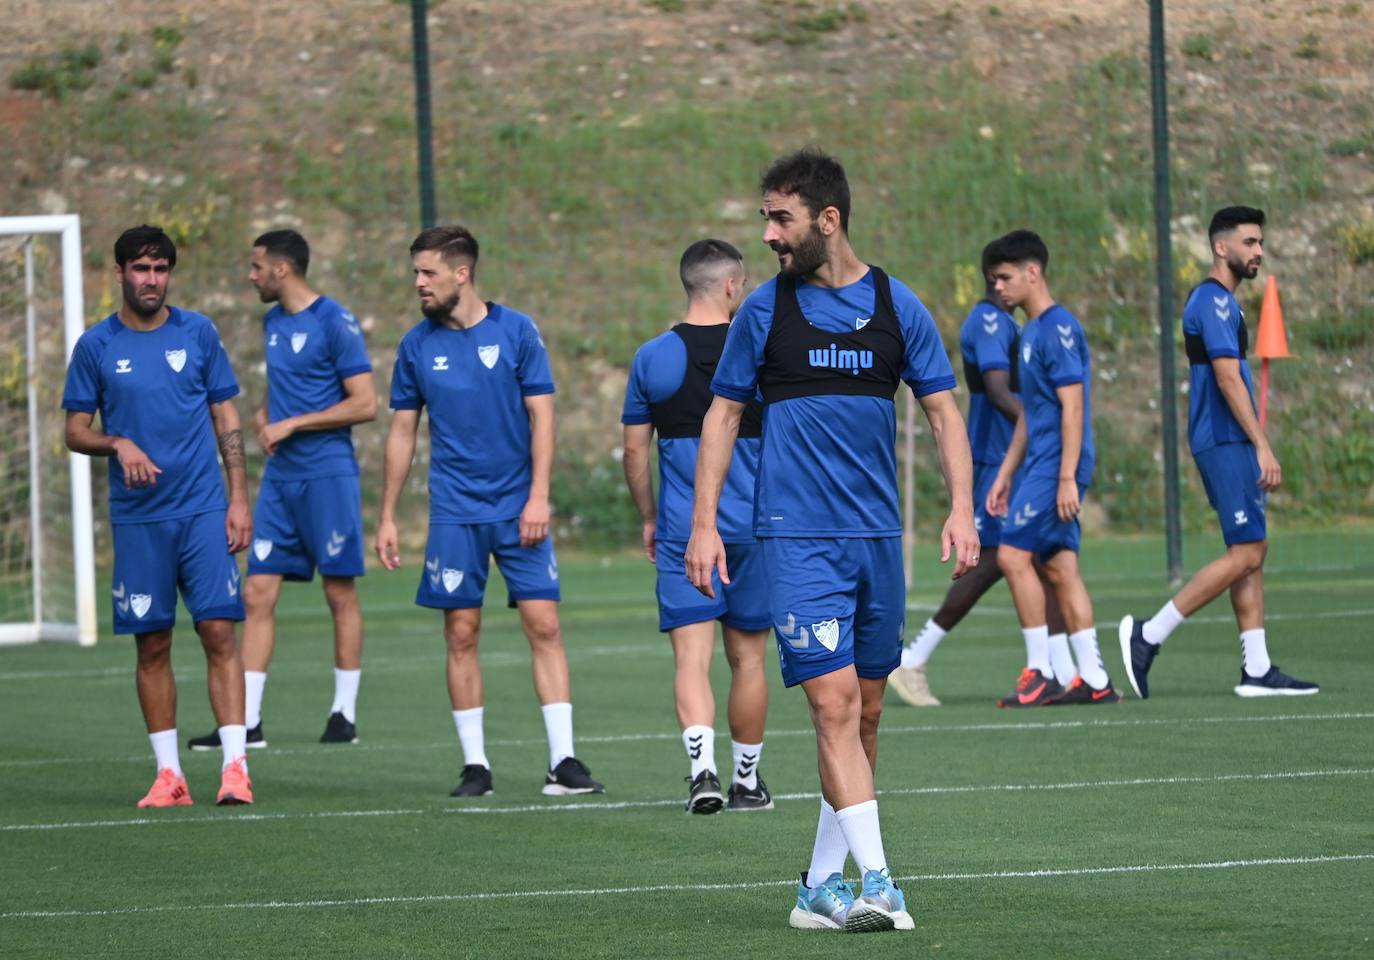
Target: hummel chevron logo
(122, 603)
(694, 746)
(1221, 301)
(433, 567)
(1223, 315)
(553, 571)
(233, 583)
(747, 762)
(795, 636)
(440, 363)
(336, 543)
(1025, 515)
(990, 327)
(1064, 329)
(124, 366)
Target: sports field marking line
(1046, 873)
(568, 806)
(800, 732)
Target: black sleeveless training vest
(1196, 347)
(974, 377)
(681, 414)
(800, 360)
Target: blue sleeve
(636, 409)
(1219, 325)
(926, 368)
(992, 336)
(405, 384)
(1061, 347)
(83, 388)
(220, 384)
(532, 362)
(347, 348)
(737, 373)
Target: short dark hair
(816, 177)
(1228, 218)
(145, 241)
(1019, 246)
(700, 265)
(286, 245)
(452, 243)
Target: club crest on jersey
(124, 366)
(261, 548)
(452, 578)
(836, 359)
(141, 602)
(828, 633)
(176, 359)
(1025, 353)
(489, 354)
(440, 363)
(861, 322)
(298, 341)
(797, 637)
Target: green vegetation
(1199, 45)
(69, 71)
(1309, 47)
(1356, 241)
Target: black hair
(700, 265)
(1019, 246)
(816, 177)
(453, 243)
(145, 241)
(286, 245)
(1228, 218)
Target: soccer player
(1237, 465)
(309, 508)
(669, 392)
(988, 343)
(1054, 438)
(828, 343)
(482, 371)
(160, 379)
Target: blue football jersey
(988, 341)
(1214, 321)
(155, 388)
(828, 467)
(309, 355)
(1054, 354)
(473, 382)
(655, 376)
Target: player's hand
(139, 471)
(960, 537)
(705, 556)
(650, 535)
(238, 525)
(1067, 499)
(534, 522)
(996, 500)
(1271, 474)
(386, 545)
(271, 434)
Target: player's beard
(139, 306)
(269, 294)
(807, 256)
(441, 309)
(1242, 268)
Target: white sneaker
(913, 686)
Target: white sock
(700, 742)
(831, 849)
(1060, 658)
(253, 684)
(918, 651)
(165, 749)
(558, 725)
(746, 757)
(1038, 649)
(470, 735)
(346, 693)
(232, 739)
(1157, 628)
(861, 832)
(1089, 658)
(1254, 653)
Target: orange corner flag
(1272, 341)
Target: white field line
(886, 731)
(569, 806)
(1044, 873)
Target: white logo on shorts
(298, 341)
(553, 571)
(828, 633)
(261, 548)
(336, 543)
(140, 602)
(1241, 518)
(234, 584)
(176, 359)
(795, 636)
(120, 599)
(489, 354)
(432, 566)
(452, 578)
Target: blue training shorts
(836, 602)
(299, 525)
(456, 565)
(742, 604)
(1231, 474)
(989, 527)
(1032, 522)
(153, 560)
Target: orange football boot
(169, 790)
(234, 786)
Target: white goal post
(60, 587)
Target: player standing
(160, 379)
(668, 393)
(481, 370)
(1237, 465)
(1054, 438)
(309, 508)
(828, 342)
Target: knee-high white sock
(1254, 653)
(346, 693)
(254, 682)
(558, 726)
(1060, 659)
(232, 739)
(1038, 649)
(1157, 629)
(746, 757)
(700, 743)
(918, 651)
(830, 850)
(861, 832)
(1089, 658)
(471, 736)
(166, 751)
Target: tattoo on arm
(231, 449)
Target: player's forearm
(951, 441)
(718, 432)
(542, 434)
(639, 481)
(1070, 431)
(1239, 402)
(998, 386)
(1016, 449)
(89, 441)
(400, 451)
(229, 435)
(346, 413)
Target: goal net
(47, 556)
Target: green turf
(359, 851)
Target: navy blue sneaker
(1275, 683)
(1137, 653)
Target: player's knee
(1249, 557)
(1011, 562)
(834, 709)
(461, 637)
(341, 595)
(260, 595)
(544, 631)
(154, 649)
